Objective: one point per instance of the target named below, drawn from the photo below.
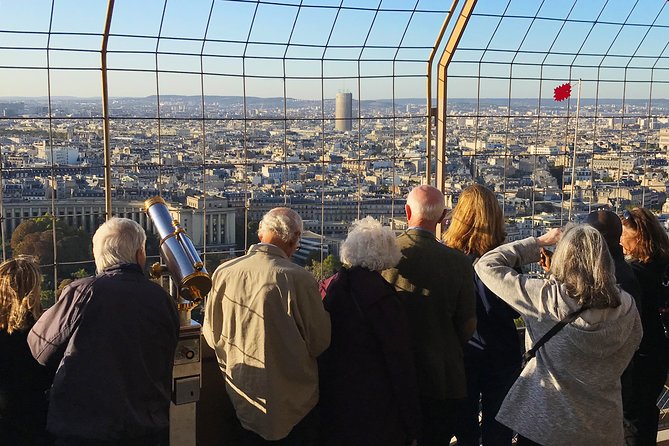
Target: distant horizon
(387, 99)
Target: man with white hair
(112, 338)
(265, 320)
(436, 285)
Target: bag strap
(571, 317)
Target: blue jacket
(113, 338)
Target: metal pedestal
(186, 386)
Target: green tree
(325, 269)
(35, 237)
(80, 274)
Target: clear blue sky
(516, 45)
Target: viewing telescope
(190, 283)
(182, 262)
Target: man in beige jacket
(265, 320)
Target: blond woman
(492, 355)
(23, 382)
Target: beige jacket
(265, 320)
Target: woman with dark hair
(646, 246)
(23, 382)
(369, 394)
(569, 391)
(492, 355)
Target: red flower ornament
(562, 92)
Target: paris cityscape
(331, 162)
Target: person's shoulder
(80, 285)
(285, 267)
(83, 282)
(456, 256)
(155, 287)
(233, 266)
(641, 269)
(445, 253)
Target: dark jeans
(642, 383)
(522, 441)
(305, 433)
(488, 382)
(439, 420)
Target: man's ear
(140, 256)
(407, 210)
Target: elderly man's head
(117, 241)
(281, 227)
(425, 207)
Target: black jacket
(369, 393)
(113, 338)
(23, 387)
(650, 277)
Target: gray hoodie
(570, 392)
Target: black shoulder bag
(571, 317)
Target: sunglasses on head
(627, 215)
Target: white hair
(117, 241)
(284, 222)
(370, 245)
(424, 209)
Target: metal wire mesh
(511, 57)
(229, 102)
(232, 103)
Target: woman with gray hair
(569, 392)
(368, 383)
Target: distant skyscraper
(344, 112)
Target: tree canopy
(325, 269)
(35, 237)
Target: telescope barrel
(180, 256)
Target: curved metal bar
(444, 62)
(437, 43)
(105, 110)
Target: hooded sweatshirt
(570, 392)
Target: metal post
(573, 161)
(444, 62)
(105, 110)
(2, 211)
(430, 114)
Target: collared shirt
(418, 228)
(265, 319)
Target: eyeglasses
(627, 215)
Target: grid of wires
(232, 102)
(228, 101)
(601, 147)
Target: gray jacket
(570, 393)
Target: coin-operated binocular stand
(189, 282)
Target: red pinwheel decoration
(562, 92)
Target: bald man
(436, 286)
